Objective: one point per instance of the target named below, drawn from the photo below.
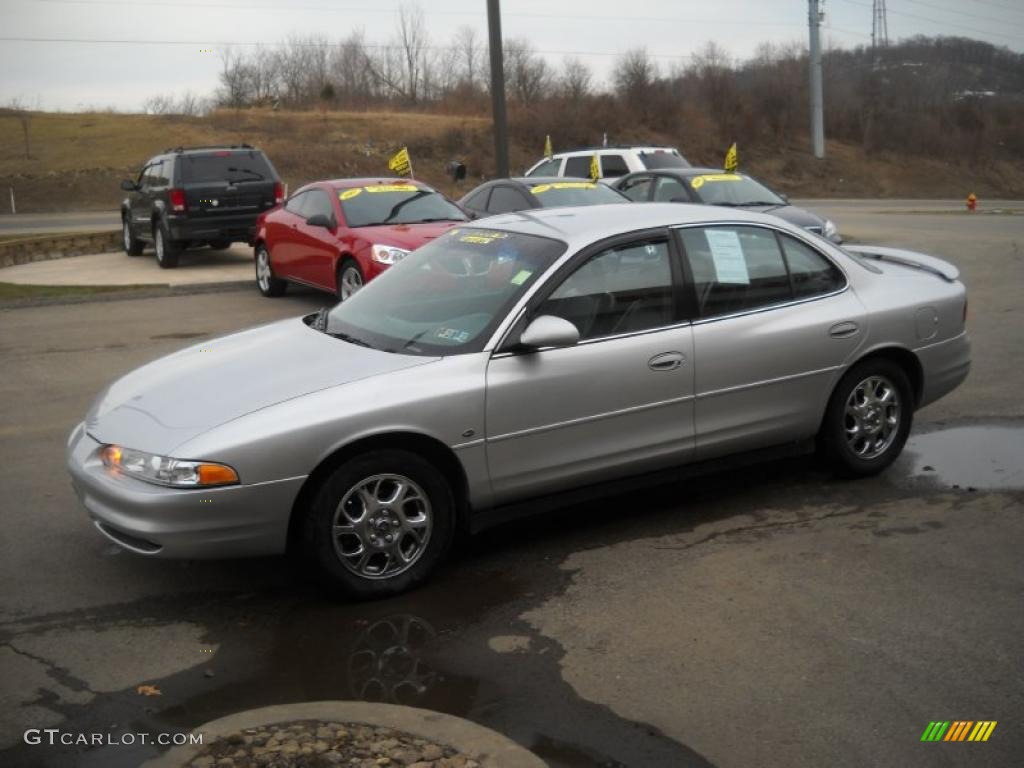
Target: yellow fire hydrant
(972, 202)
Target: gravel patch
(321, 744)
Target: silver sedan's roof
(580, 225)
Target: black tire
(324, 550)
(132, 245)
(846, 439)
(220, 245)
(267, 284)
(167, 250)
(348, 269)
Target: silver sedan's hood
(159, 406)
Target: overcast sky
(78, 75)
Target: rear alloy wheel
(265, 280)
(868, 418)
(167, 251)
(132, 246)
(380, 523)
(350, 279)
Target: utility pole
(498, 89)
(879, 26)
(817, 101)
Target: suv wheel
(350, 279)
(868, 418)
(380, 523)
(132, 246)
(167, 250)
(265, 280)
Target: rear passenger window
(296, 202)
(505, 200)
(812, 273)
(619, 290)
(613, 166)
(735, 269)
(578, 166)
(547, 168)
(670, 189)
(478, 201)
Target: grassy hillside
(77, 160)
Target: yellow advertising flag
(732, 159)
(400, 163)
(548, 152)
(595, 171)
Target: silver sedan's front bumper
(234, 521)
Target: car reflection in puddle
(387, 661)
(975, 457)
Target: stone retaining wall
(43, 248)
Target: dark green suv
(197, 196)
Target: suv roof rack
(210, 146)
(614, 146)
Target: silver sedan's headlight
(385, 254)
(161, 470)
(829, 229)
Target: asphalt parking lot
(779, 617)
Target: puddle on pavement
(983, 457)
(433, 649)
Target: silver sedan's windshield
(446, 297)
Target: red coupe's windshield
(398, 203)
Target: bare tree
(16, 108)
(234, 80)
(526, 73)
(576, 80)
(470, 52)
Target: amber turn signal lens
(216, 474)
(111, 455)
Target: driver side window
(623, 289)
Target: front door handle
(666, 361)
(843, 330)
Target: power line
(304, 44)
(362, 9)
(984, 33)
(1000, 5)
(958, 13)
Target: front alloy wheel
(380, 523)
(350, 280)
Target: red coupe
(338, 235)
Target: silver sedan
(507, 365)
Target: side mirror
(549, 331)
(129, 186)
(320, 220)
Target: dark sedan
(521, 194)
(713, 186)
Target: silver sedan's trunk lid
(176, 398)
(905, 258)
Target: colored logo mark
(958, 730)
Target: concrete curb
(144, 292)
(490, 749)
(32, 248)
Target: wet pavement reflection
(972, 457)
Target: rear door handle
(666, 361)
(843, 330)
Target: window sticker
(698, 181)
(452, 334)
(392, 188)
(482, 238)
(727, 255)
(540, 189)
(521, 277)
(348, 194)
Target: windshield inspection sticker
(452, 334)
(348, 194)
(540, 189)
(698, 181)
(727, 255)
(521, 277)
